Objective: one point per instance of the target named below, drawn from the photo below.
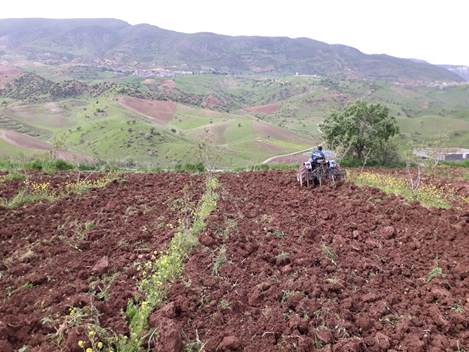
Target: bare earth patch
(53, 107)
(28, 142)
(212, 101)
(265, 109)
(159, 111)
(23, 140)
(169, 84)
(7, 74)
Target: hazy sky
(432, 30)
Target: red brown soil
(74, 157)
(9, 188)
(23, 140)
(211, 101)
(169, 84)
(265, 109)
(7, 74)
(29, 142)
(159, 111)
(47, 267)
(278, 291)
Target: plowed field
(82, 251)
(159, 111)
(277, 268)
(328, 270)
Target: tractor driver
(317, 155)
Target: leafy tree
(361, 129)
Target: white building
(443, 153)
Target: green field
(226, 135)
(104, 130)
(423, 112)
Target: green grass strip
(24, 197)
(166, 268)
(85, 185)
(427, 195)
(34, 192)
(13, 176)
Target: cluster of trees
(363, 133)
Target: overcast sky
(433, 30)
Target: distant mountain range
(118, 44)
(462, 71)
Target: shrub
(199, 167)
(61, 165)
(35, 165)
(350, 161)
(8, 165)
(49, 165)
(86, 167)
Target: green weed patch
(34, 192)
(24, 197)
(428, 195)
(164, 269)
(13, 175)
(85, 185)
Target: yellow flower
(81, 343)
(100, 345)
(91, 333)
(89, 349)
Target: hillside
(132, 130)
(240, 120)
(425, 113)
(116, 43)
(462, 71)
